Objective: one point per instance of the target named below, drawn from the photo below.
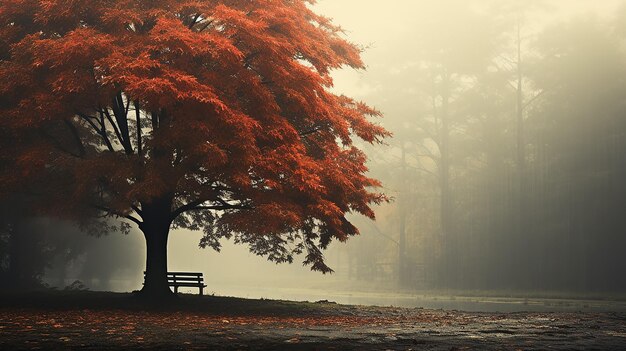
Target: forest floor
(112, 321)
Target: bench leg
(176, 289)
(201, 289)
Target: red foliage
(219, 108)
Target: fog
(473, 213)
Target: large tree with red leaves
(206, 115)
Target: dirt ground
(108, 321)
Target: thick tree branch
(138, 121)
(186, 207)
(114, 125)
(136, 209)
(222, 207)
(100, 130)
(206, 25)
(88, 119)
(120, 111)
(103, 133)
(154, 119)
(127, 107)
(194, 20)
(113, 212)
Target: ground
(110, 321)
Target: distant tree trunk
(444, 182)
(402, 203)
(522, 186)
(156, 227)
(521, 142)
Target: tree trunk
(156, 226)
(402, 203)
(446, 209)
(521, 218)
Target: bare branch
(380, 232)
(537, 96)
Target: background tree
(185, 114)
(447, 65)
(536, 134)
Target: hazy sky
(385, 25)
(375, 21)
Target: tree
(206, 115)
(448, 63)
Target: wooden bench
(185, 279)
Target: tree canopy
(205, 115)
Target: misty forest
(448, 157)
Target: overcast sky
(383, 26)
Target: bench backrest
(184, 277)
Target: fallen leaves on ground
(347, 327)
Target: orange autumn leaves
(103, 329)
(222, 104)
